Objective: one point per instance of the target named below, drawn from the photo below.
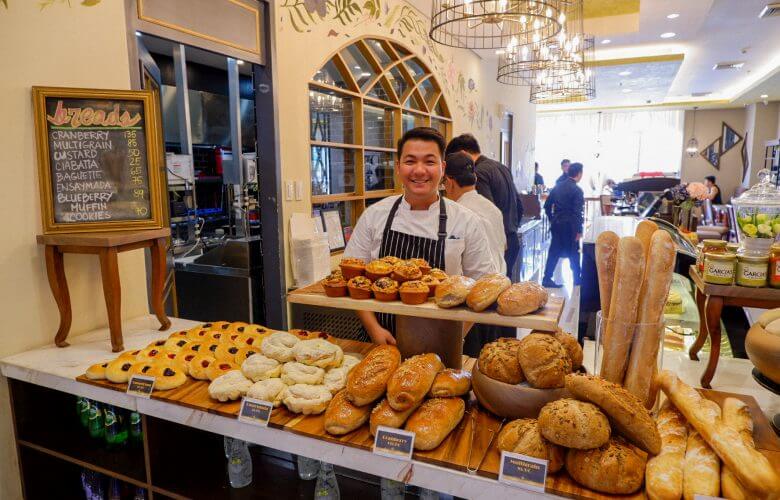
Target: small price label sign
(255, 411)
(141, 386)
(394, 443)
(523, 471)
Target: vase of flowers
(684, 198)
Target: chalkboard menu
(98, 159)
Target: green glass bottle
(95, 420)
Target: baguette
(606, 255)
(751, 468)
(434, 420)
(618, 333)
(412, 380)
(367, 381)
(664, 472)
(384, 415)
(701, 472)
(653, 294)
(644, 231)
(737, 416)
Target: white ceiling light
(624, 73)
(668, 34)
(138, 33)
(764, 96)
(626, 91)
(606, 41)
(729, 65)
(673, 15)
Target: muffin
(385, 289)
(413, 292)
(425, 268)
(406, 271)
(352, 267)
(390, 260)
(359, 287)
(378, 269)
(438, 274)
(335, 285)
(431, 282)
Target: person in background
(564, 210)
(494, 182)
(564, 170)
(714, 191)
(538, 179)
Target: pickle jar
(710, 246)
(774, 266)
(752, 270)
(719, 268)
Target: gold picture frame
(151, 214)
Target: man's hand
(381, 336)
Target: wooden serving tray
(545, 319)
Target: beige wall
(708, 129)
(59, 45)
(305, 41)
(762, 125)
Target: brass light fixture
(692, 148)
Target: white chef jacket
(465, 249)
(494, 224)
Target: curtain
(610, 145)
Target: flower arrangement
(688, 195)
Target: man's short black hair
(710, 178)
(422, 134)
(460, 168)
(464, 142)
(575, 169)
(565, 160)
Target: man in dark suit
(564, 210)
(494, 182)
(564, 170)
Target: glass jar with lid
(710, 246)
(774, 266)
(752, 270)
(719, 268)
(758, 215)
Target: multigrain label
(255, 411)
(395, 443)
(141, 386)
(523, 471)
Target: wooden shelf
(546, 319)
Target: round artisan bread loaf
(486, 290)
(544, 361)
(574, 424)
(616, 467)
(523, 436)
(573, 348)
(453, 291)
(498, 360)
(522, 298)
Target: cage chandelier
(552, 86)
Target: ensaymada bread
(522, 298)
(736, 415)
(270, 390)
(627, 414)
(342, 417)
(450, 383)
(118, 370)
(453, 291)
(573, 348)
(279, 346)
(385, 416)
(198, 366)
(168, 376)
(351, 360)
(306, 399)
(434, 420)
(616, 467)
(664, 472)
(543, 360)
(219, 368)
(336, 379)
(486, 290)
(97, 371)
(298, 373)
(318, 352)
(367, 381)
(498, 360)
(523, 436)
(574, 424)
(259, 367)
(229, 386)
(412, 380)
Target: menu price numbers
(141, 386)
(394, 443)
(255, 411)
(523, 471)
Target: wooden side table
(105, 245)
(710, 300)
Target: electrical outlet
(288, 190)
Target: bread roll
(434, 420)
(574, 424)
(523, 436)
(367, 381)
(543, 360)
(453, 291)
(737, 416)
(486, 290)
(522, 298)
(573, 348)
(647, 338)
(616, 467)
(412, 381)
(627, 414)
(606, 257)
(645, 231)
(664, 472)
(751, 468)
(498, 360)
(343, 417)
(701, 471)
(384, 415)
(450, 383)
(618, 331)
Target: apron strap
(442, 219)
(390, 217)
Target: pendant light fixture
(493, 24)
(692, 148)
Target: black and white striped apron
(407, 246)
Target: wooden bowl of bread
(762, 344)
(516, 378)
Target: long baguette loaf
(618, 332)
(606, 256)
(737, 416)
(664, 472)
(647, 338)
(701, 474)
(752, 469)
(644, 231)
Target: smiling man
(419, 224)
